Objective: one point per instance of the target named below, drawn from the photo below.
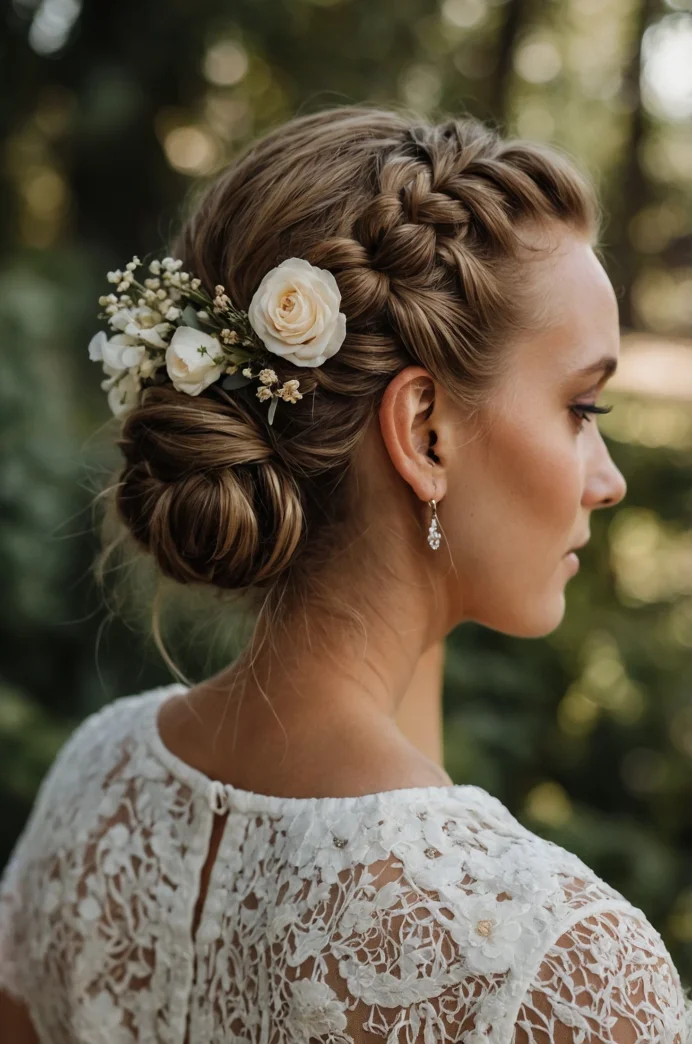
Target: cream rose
(191, 360)
(295, 313)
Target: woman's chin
(530, 620)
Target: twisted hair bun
(203, 490)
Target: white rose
(295, 313)
(190, 360)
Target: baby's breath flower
(289, 391)
(264, 393)
(247, 372)
(172, 314)
(195, 284)
(152, 284)
(161, 294)
(229, 336)
(114, 277)
(267, 376)
(204, 316)
(133, 264)
(155, 267)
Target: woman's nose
(606, 485)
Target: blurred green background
(110, 113)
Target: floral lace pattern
(413, 916)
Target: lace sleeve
(607, 980)
(15, 932)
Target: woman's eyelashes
(583, 410)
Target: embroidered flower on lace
(493, 935)
(315, 1010)
(316, 846)
(513, 873)
(52, 896)
(99, 1021)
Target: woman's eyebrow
(608, 364)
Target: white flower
(154, 336)
(123, 395)
(191, 360)
(142, 323)
(315, 1010)
(295, 313)
(120, 353)
(96, 346)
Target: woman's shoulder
(492, 917)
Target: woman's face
(521, 486)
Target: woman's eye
(582, 411)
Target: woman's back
(419, 914)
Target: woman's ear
(408, 417)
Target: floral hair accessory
(168, 330)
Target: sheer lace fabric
(421, 915)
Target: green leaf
(189, 318)
(234, 380)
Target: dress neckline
(221, 796)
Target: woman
(266, 856)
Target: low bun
(204, 492)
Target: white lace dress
(426, 914)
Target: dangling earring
(434, 530)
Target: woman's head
(470, 290)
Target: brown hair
(419, 223)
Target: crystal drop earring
(434, 530)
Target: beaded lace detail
(412, 916)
